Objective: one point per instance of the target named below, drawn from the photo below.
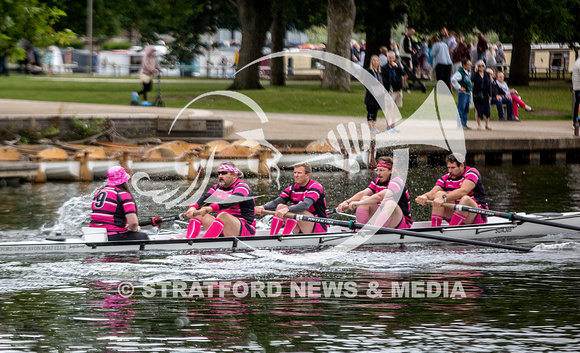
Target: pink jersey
(111, 206)
(376, 186)
(313, 190)
(477, 193)
(244, 210)
(399, 190)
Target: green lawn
(551, 100)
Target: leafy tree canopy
(31, 20)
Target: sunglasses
(222, 172)
(381, 169)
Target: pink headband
(229, 168)
(384, 164)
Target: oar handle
(511, 216)
(287, 215)
(156, 221)
(482, 211)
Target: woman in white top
(515, 96)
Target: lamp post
(90, 34)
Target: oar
(156, 221)
(512, 216)
(335, 211)
(383, 230)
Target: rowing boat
(167, 241)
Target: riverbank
(528, 141)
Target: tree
(375, 18)
(278, 31)
(108, 16)
(28, 19)
(519, 22)
(341, 15)
(291, 14)
(255, 18)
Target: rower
(388, 189)
(461, 185)
(114, 208)
(305, 197)
(235, 209)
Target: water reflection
(66, 304)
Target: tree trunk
(278, 31)
(341, 15)
(520, 61)
(255, 19)
(378, 20)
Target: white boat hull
(169, 169)
(99, 168)
(496, 227)
(61, 170)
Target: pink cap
(229, 168)
(117, 176)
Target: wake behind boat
(497, 227)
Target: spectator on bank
(407, 50)
(362, 52)
(490, 57)
(354, 52)
(3, 67)
(501, 96)
(224, 65)
(461, 81)
(383, 56)
(441, 60)
(149, 68)
(370, 101)
(514, 95)
(460, 54)
(47, 62)
(481, 47)
(394, 80)
(576, 88)
(424, 69)
(481, 93)
(448, 37)
(394, 46)
(500, 59)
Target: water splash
(568, 246)
(73, 215)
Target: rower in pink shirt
(114, 208)
(387, 190)
(232, 200)
(461, 185)
(305, 197)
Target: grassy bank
(551, 100)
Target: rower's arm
(301, 206)
(465, 188)
(422, 199)
(133, 222)
(274, 203)
(356, 197)
(373, 199)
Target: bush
(50, 132)
(82, 128)
(77, 44)
(30, 134)
(116, 45)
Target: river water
(423, 298)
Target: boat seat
(94, 234)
